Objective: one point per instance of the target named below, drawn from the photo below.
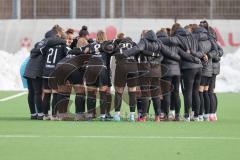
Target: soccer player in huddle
(54, 50)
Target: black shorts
(98, 79)
(126, 73)
(205, 81)
(150, 69)
(50, 83)
(76, 77)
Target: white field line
(13, 96)
(123, 137)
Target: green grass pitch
(23, 139)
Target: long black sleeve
(188, 57)
(220, 51)
(35, 52)
(136, 49)
(213, 54)
(219, 54)
(168, 53)
(174, 41)
(148, 53)
(200, 53)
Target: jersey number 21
(51, 58)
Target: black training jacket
(152, 44)
(189, 43)
(218, 52)
(207, 48)
(34, 67)
(171, 64)
(151, 52)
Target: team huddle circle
(99, 75)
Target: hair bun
(84, 28)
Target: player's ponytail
(84, 31)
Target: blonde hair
(59, 31)
(82, 42)
(101, 36)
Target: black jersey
(100, 54)
(108, 51)
(98, 70)
(77, 57)
(55, 50)
(122, 45)
(75, 52)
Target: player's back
(55, 50)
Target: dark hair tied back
(84, 28)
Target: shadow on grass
(15, 119)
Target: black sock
(31, 103)
(38, 101)
(156, 105)
(118, 101)
(109, 103)
(175, 102)
(31, 96)
(139, 105)
(212, 102)
(54, 104)
(103, 100)
(165, 103)
(206, 102)
(80, 103)
(172, 101)
(216, 102)
(62, 102)
(201, 103)
(91, 102)
(162, 106)
(145, 105)
(194, 108)
(132, 101)
(46, 102)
